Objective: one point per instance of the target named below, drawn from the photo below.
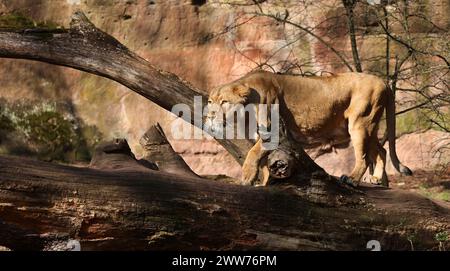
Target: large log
(121, 203)
(43, 206)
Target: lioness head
(223, 102)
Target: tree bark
(116, 155)
(43, 206)
(159, 151)
(349, 6)
(289, 160)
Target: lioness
(319, 110)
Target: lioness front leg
(251, 163)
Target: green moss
(6, 125)
(15, 20)
(48, 131)
(444, 196)
(19, 21)
(51, 132)
(442, 236)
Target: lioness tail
(390, 123)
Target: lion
(329, 110)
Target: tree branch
(349, 5)
(87, 48)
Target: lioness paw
(249, 175)
(373, 180)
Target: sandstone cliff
(184, 37)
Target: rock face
(187, 38)
(420, 150)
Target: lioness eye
(223, 102)
(209, 101)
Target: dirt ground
(432, 184)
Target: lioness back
(321, 111)
(318, 104)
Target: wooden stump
(159, 151)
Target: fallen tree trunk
(121, 203)
(44, 205)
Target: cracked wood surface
(44, 204)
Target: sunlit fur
(321, 110)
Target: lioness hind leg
(379, 156)
(360, 141)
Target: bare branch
(85, 47)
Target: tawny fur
(321, 110)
